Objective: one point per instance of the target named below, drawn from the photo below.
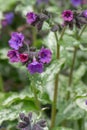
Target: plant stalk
(34, 35)
(82, 30)
(74, 56)
(36, 98)
(73, 60)
(54, 104)
(72, 66)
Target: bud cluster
(76, 18)
(27, 123)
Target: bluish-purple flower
(86, 102)
(16, 40)
(39, 2)
(45, 55)
(85, 13)
(31, 17)
(67, 15)
(9, 17)
(35, 67)
(76, 2)
(13, 56)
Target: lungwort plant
(49, 50)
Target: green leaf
(50, 42)
(62, 128)
(83, 38)
(69, 41)
(1, 83)
(10, 113)
(55, 67)
(45, 26)
(79, 73)
(3, 53)
(7, 4)
(81, 102)
(14, 97)
(69, 111)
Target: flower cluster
(76, 18)
(37, 19)
(76, 2)
(8, 19)
(22, 52)
(28, 124)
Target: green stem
(72, 66)
(34, 35)
(74, 57)
(81, 124)
(36, 97)
(82, 31)
(1, 84)
(63, 31)
(54, 104)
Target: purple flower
(39, 2)
(9, 17)
(13, 56)
(76, 2)
(45, 55)
(67, 15)
(4, 22)
(85, 13)
(31, 17)
(28, 123)
(35, 67)
(23, 57)
(16, 40)
(25, 124)
(86, 102)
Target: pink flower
(67, 15)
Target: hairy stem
(34, 35)
(53, 113)
(36, 97)
(54, 104)
(72, 66)
(82, 31)
(74, 57)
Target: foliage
(16, 83)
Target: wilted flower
(13, 55)
(45, 55)
(76, 2)
(16, 40)
(31, 17)
(67, 15)
(35, 67)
